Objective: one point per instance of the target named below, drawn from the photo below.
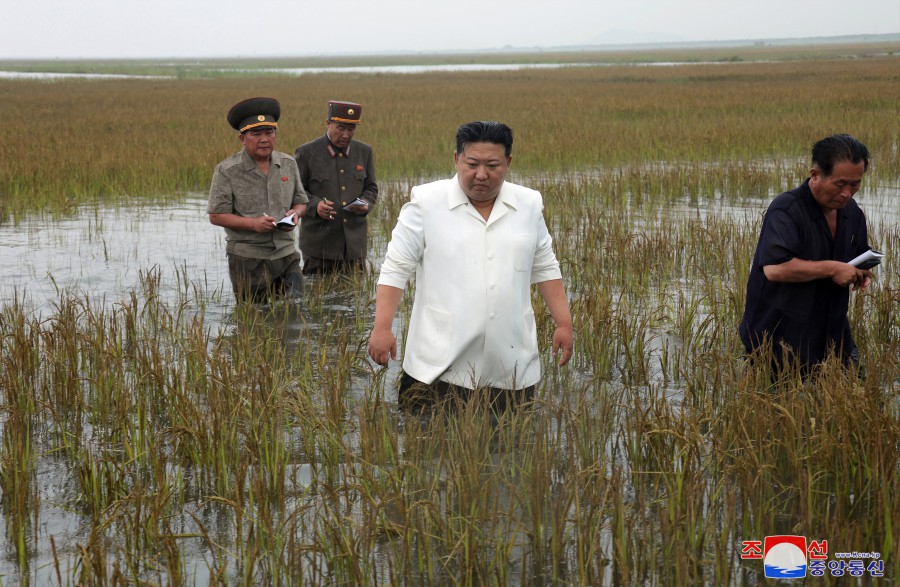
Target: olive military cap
(344, 112)
(253, 113)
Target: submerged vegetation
(143, 442)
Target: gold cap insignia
(351, 111)
(260, 118)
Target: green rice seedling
(17, 483)
(18, 377)
(102, 482)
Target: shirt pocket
(248, 204)
(852, 247)
(280, 191)
(522, 251)
(432, 335)
(319, 186)
(529, 336)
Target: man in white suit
(476, 244)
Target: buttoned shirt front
(341, 177)
(240, 187)
(809, 317)
(472, 322)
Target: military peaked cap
(345, 112)
(254, 112)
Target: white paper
(870, 254)
(287, 221)
(356, 202)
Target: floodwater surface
(103, 253)
(365, 70)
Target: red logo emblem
(285, 178)
(785, 557)
(359, 167)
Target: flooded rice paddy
(102, 252)
(107, 256)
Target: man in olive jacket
(250, 191)
(338, 174)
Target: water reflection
(49, 76)
(105, 252)
(200, 69)
(414, 69)
(102, 252)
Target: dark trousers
(415, 395)
(314, 265)
(782, 366)
(254, 280)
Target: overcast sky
(205, 28)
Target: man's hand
(863, 283)
(847, 275)
(382, 344)
(554, 295)
(563, 339)
(262, 223)
(325, 209)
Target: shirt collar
(507, 196)
(333, 151)
(458, 197)
(250, 164)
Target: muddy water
(101, 253)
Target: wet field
(102, 251)
(153, 432)
(106, 261)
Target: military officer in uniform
(338, 174)
(251, 192)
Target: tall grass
(124, 139)
(272, 452)
(140, 444)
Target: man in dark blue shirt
(798, 292)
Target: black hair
(484, 132)
(837, 148)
